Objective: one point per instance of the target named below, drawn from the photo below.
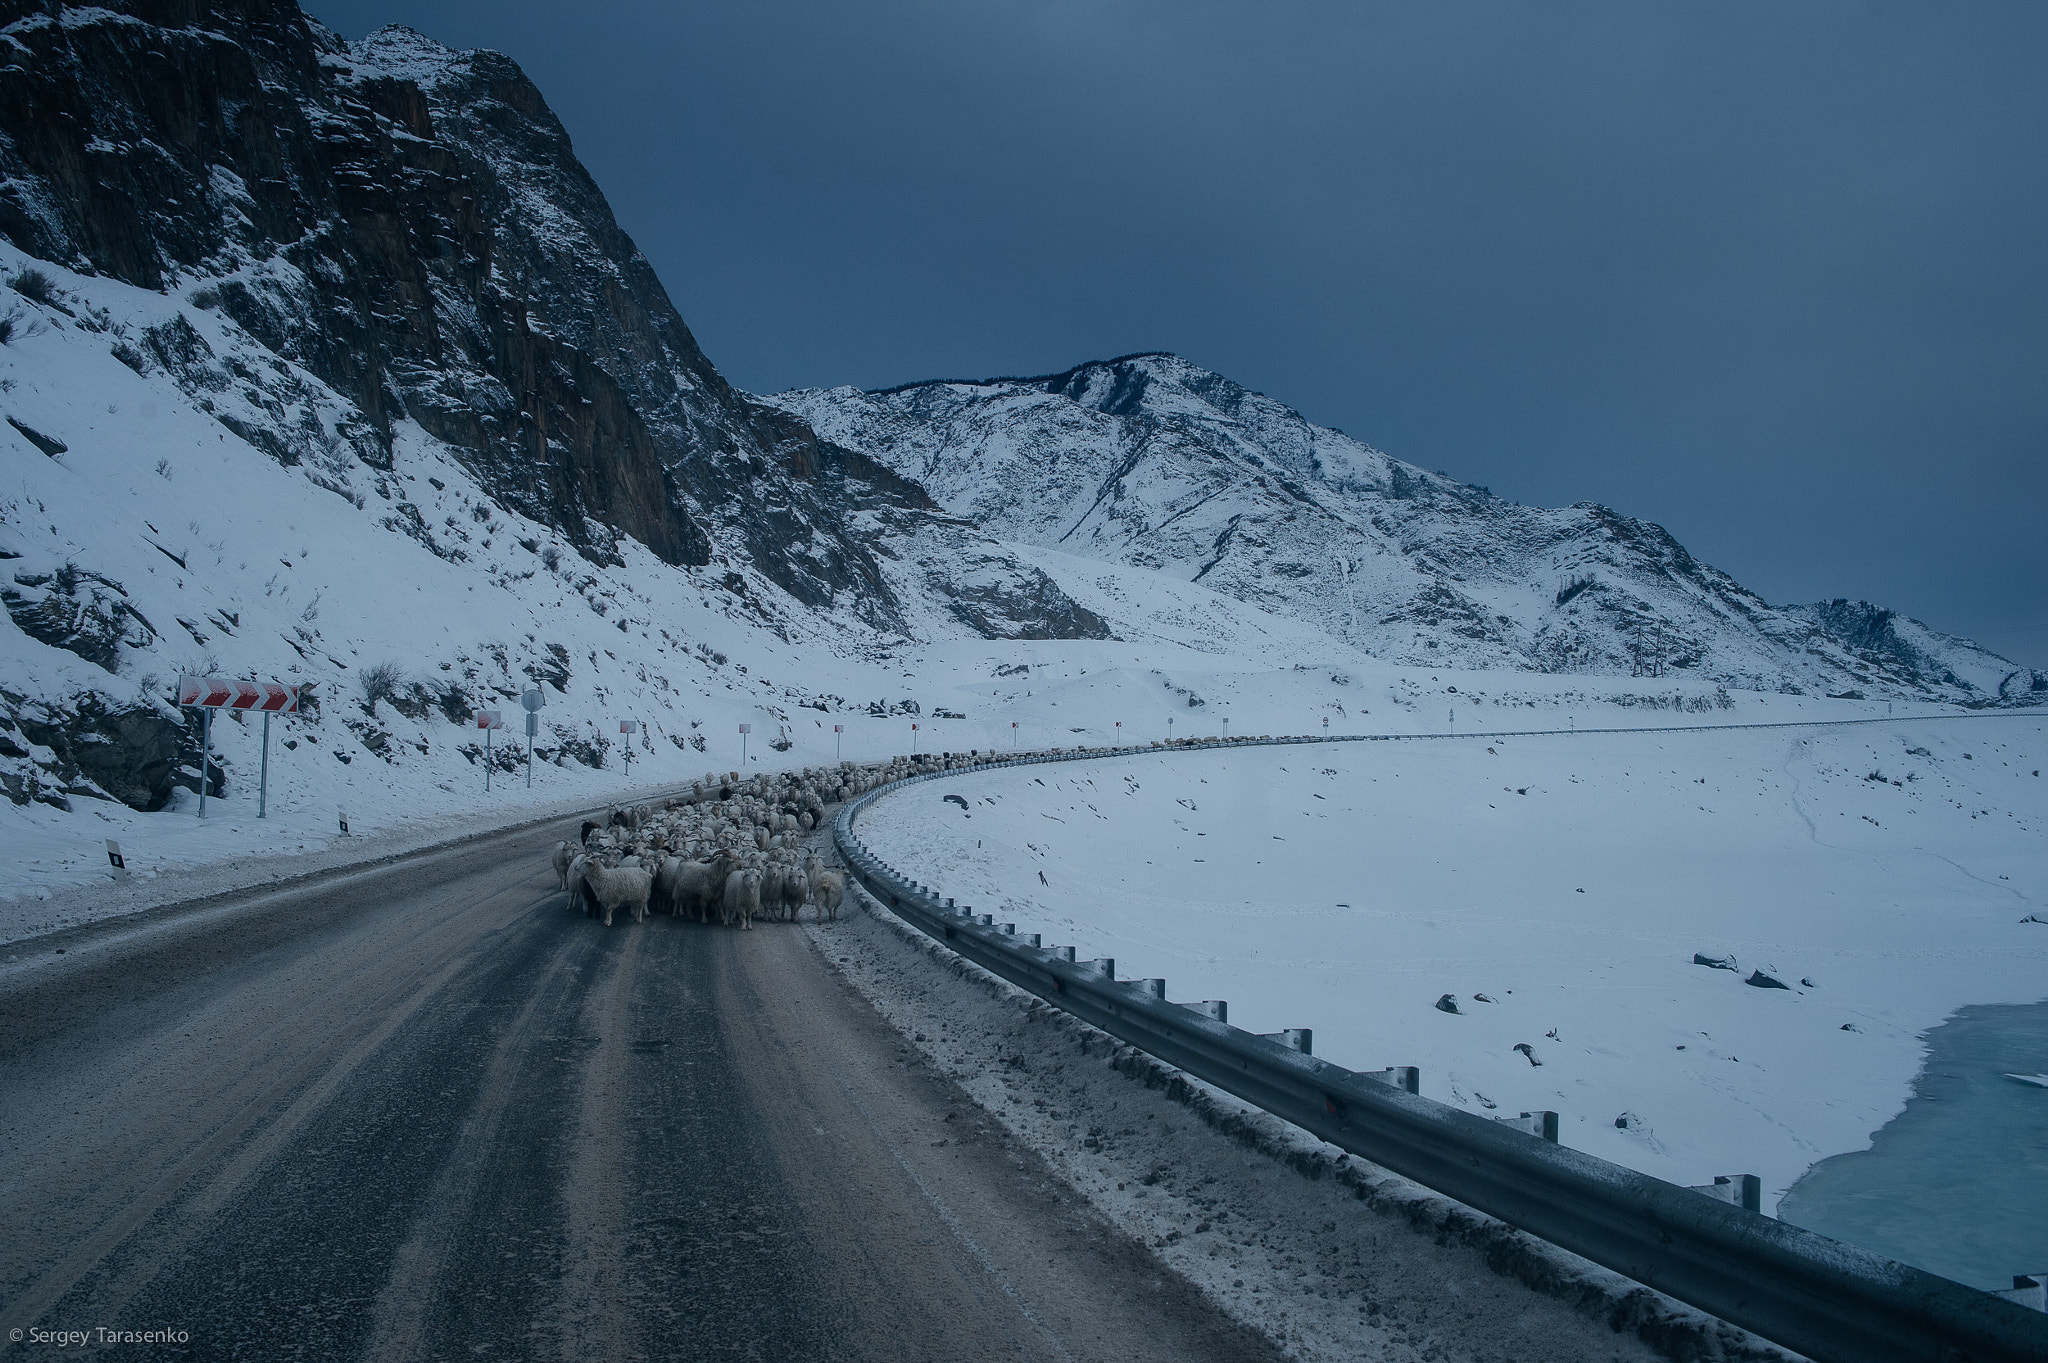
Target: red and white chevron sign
(219, 693)
(489, 719)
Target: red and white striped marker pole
(488, 720)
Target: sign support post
(627, 728)
(207, 694)
(532, 699)
(488, 720)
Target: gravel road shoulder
(1328, 1256)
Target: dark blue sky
(1772, 275)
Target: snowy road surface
(426, 1112)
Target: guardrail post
(1155, 988)
(1217, 1009)
(2028, 1289)
(1104, 966)
(1294, 1038)
(1741, 1190)
(1542, 1124)
(1063, 953)
(1406, 1078)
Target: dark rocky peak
(410, 225)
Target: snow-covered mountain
(317, 356)
(366, 295)
(1155, 462)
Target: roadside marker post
(115, 860)
(1013, 734)
(913, 738)
(837, 730)
(627, 728)
(745, 729)
(487, 720)
(533, 699)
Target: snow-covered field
(1558, 888)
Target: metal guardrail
(1830, 1301)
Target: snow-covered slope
(1152, 461)
(276, 301)
(1558, 887)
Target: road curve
(424, 1111)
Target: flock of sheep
(734, 847)
(728, 847)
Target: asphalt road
(427, 1112)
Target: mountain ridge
(1151, 460)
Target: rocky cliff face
(358, 262)
(410, 226)
(1152, 461)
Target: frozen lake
(1956, 1184)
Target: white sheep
(796, 892)
(742, 899)
(565, 854)
(693, 888)
(625, 887)
(830, 888)
(572, 881)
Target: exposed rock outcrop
(410, 226)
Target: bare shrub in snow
(379, 682)
(35, 286)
